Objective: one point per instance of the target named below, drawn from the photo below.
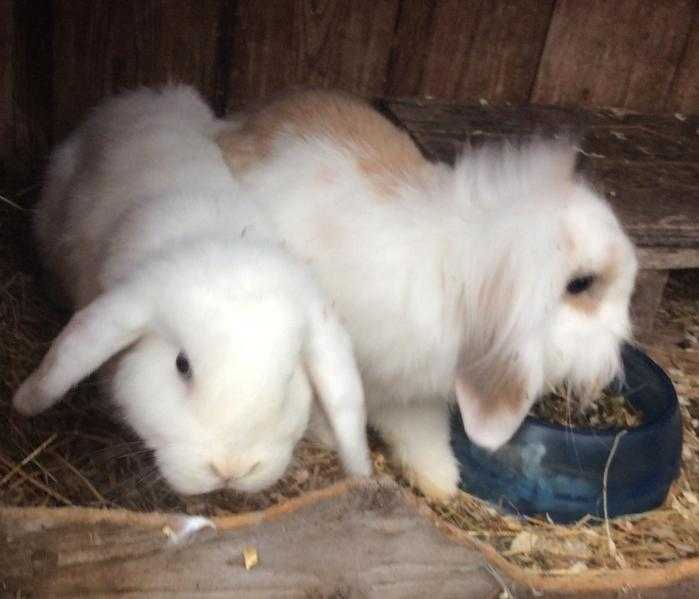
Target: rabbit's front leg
(419, 440)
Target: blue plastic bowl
(556, 470)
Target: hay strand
(14, 205)
(28, 459)
(38, 484)
(611, 545)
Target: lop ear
(495, 396)
(107, 325)
(333, 371)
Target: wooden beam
(650, 288)
(668, 258)
(367, 542)
(363, 539)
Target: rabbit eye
(580, 284)
(183, 366)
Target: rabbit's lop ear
(495, 396)
(335, 377)
(109, 324)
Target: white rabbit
(487, 282)
(218, 334)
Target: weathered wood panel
(648, 166)
(322, 43)
(102, 47)
(68, 54)
(622, 53)
(6, 20)
(468, 51)
(647, 297)
(31, 100)
(366, 543)
(363, 540)
(684, 96)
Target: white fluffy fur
(454, 276)
(145, 228)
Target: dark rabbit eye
(183, 366)
(580, 284)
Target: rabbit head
(218, 345)
(547, 285)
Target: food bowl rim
(667, 410)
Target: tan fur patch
(385, 154)
(589, 301)
(494, 381)
(586, 302)
(499, 390)
(495, 293)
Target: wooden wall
(59, 57)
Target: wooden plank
(668, 258)
(279, 44)
(367, 539)
(608, 134)
(468, 51)
(102, 47)
(650, 288)
(648, 166)
(31, 87)
(684, 96)
(6, 91)
(368, 542)
(622, 53)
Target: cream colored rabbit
(217, 334)
(482, 284)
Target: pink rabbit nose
(231, 469)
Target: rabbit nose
(229, 470)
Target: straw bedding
(81, 454)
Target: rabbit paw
(436, 479)
(29, 399)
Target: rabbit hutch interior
(442, 112)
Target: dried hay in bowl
(79, 454)
(608, 411)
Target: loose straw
(611, 544)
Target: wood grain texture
(468, 50)
(684, 95)
(366, 543)
(102, 47)
(322, 43)
(31, 107)
(647, 297)
(6, 90)
(668, 258)
(648, 166)
(359, 539)
(622, 53)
